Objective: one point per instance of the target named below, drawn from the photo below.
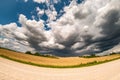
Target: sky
(60, 27)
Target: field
(60, 62)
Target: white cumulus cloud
(90, 27)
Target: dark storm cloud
(110, 30)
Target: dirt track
(10, 70)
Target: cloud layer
(90, 27)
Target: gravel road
(10, 70)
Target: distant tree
(93, 55)
(113, 53)
(37, 54)
(28, 52)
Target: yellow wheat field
(61, 61)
